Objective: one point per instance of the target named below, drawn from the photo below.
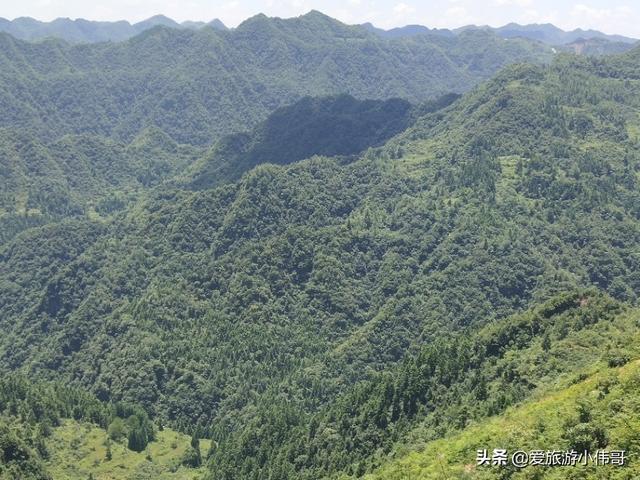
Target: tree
(117, 429)
(192, 457)
(109, 454)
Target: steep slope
(328, 126)
(599, 412)
(199, 85)
(457, 381)
(263, 301)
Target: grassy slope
(79, 449)
(611, 395)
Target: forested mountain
(79, 175)
(87, 31)
(592, 406)
(545, 33)
(596, 46)
(553, 35)
(85, 128)
(198, 85)
(251, 309)
(328, 126)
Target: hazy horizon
(612, 17)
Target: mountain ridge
(83, 30)
(182, 80)
(546, 33)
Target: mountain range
(550, 34)
(197, 85)
(82, 31)
(300, 250)
(87, 31)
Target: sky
(609, 16)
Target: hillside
(250, 308)
(328, 126)
(457, 381)
(85, 129)
(598, 412)
(562, 358)
(50, 431)
(80, 175)
(596, 47)
(198, 85)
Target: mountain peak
(318, 14)
(158, 20)
(217, 24)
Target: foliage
(313, 316)
(79, 175)
(328, 126)
(550, 422)
(197, 85)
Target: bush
(617, 359)
(117, 429)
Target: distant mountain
(547, 33)
(408, 31)
(155, 21)
(553, 35)
(86, 31)
(199, 85)
(596, 46)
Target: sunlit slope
(253, 308)
(606, 401)
(78, 450)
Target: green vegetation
(607, 400)
(85, 128)
(447, 386)
(79, 175)
(79, 450)
(322, 317)
(197, 85)
(51, 431)
(328, 126)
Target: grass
(538, 424)
(79, 449)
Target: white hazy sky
(610, 16)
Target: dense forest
(328, 126)
(197, 85)
(80, 175)
(320, 285)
